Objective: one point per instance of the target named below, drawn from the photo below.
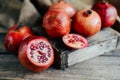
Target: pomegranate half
(75, 41)
(36, 53)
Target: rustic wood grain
(105, 67)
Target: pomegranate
(107, 12)
(56, 23)
(36, 53)
(67, 7)
(15, 36)
(87, 22)
(75, 41)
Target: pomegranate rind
(14, 38)
(87, 25)
(67, 7)
(56, 23)
(107, 12)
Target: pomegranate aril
(39, 57)
(31, 52)
(49, 55)
(42, 45)
(70, 40)
(82, 41)
(34, 47)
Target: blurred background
(9, 13)
(14, 11)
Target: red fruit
(75, 41)
(36, 53)
(107, 12)
(67, 7)
(15, 36)
(56, 23)
(87, 22)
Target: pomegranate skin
(67, 7)
(107, 12)
(56, 23)
(15, 36)
(25, 59)
(86, 24)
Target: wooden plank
(98, 68)
(92, 51)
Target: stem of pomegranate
(19, 25)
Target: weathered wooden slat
(98, 68)
(92, 51)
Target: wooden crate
(103, 41)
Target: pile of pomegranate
(62, 21)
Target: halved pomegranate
(36, 53)
(75, 41)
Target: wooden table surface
(103, 67)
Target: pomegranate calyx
(18, 26)
(87, 13)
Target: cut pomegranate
(75, 41)
(36, 53)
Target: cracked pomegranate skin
(31, 61)
(107, 12)
(15, 36)
(56, 23)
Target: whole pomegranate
(56, 23)
(67, 7)
(87, 22)
(107, 12)
(75, 41)
(36, 53)
(15, 36)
